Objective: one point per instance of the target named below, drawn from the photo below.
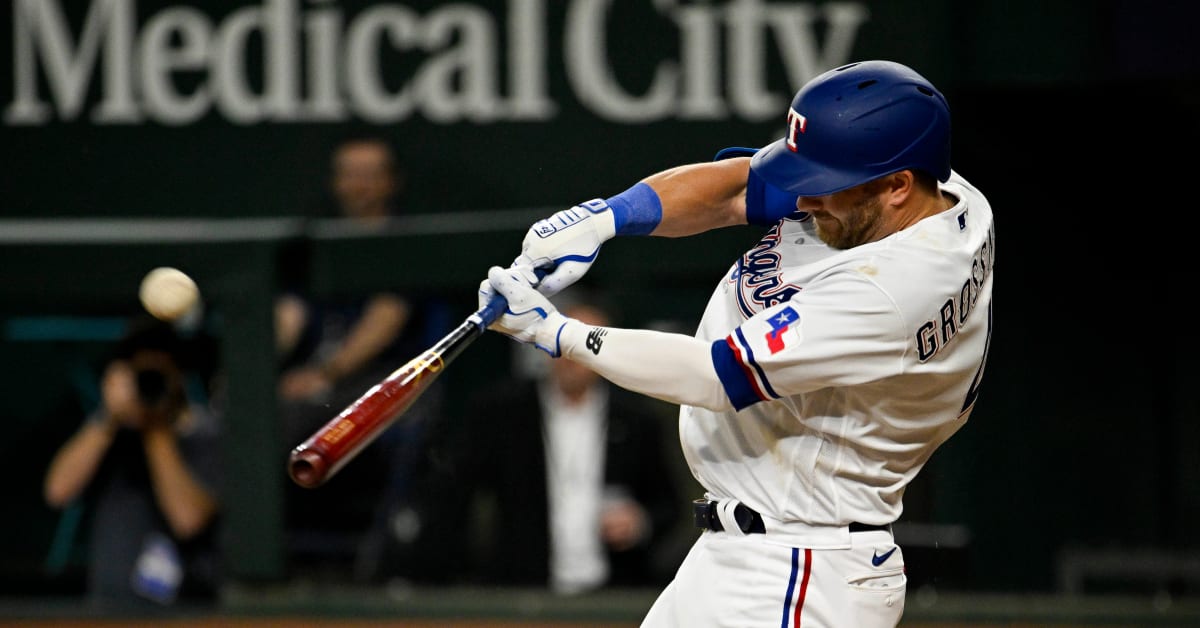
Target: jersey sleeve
(841, 332)
(765, 203)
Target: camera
(153, 386)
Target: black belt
(705, 513)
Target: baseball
(168, 293)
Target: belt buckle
(704, 514)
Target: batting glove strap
(550, 333)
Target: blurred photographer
(145, 463)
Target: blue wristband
(636, 211)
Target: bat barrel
(337, 442)
(317, 459)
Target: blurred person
(323, 346)
(331, 351)
(559, 481)
(146, 464)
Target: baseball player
(832, 359)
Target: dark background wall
(1079, 120)
(214, 163)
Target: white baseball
(168, 293)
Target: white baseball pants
(748, 581)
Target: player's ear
(899, 186)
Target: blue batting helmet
(856, 123)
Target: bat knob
(307, 467)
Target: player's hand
(567, 243)
(529, 318)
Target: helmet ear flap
(856, 123)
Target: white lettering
(593, 81)
(323, 28)
(388, 62)
(160, 59)
(699, 39)
(282, 98)
(748, 90)
(527, 61)
(793, 26)
(235, 98)
(40, 24)
(471, 63)
(369, 97)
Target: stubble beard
(856, 226)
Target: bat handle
(490, 312)
(497, 304)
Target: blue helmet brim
(794, 173)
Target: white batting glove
(529, 318)
(567, 243)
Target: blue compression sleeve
(765, 203)
(636, 211)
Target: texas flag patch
(779, 324)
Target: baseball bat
(336, 443)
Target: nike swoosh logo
(878, 560)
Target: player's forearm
(700, 197)
(381, 323)
(671, 367)
(76, 462)
(187, 505)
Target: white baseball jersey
(849, 368)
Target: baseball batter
(832, 359)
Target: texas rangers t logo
(796, 124)
(779, 324)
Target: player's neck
(923, 207)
